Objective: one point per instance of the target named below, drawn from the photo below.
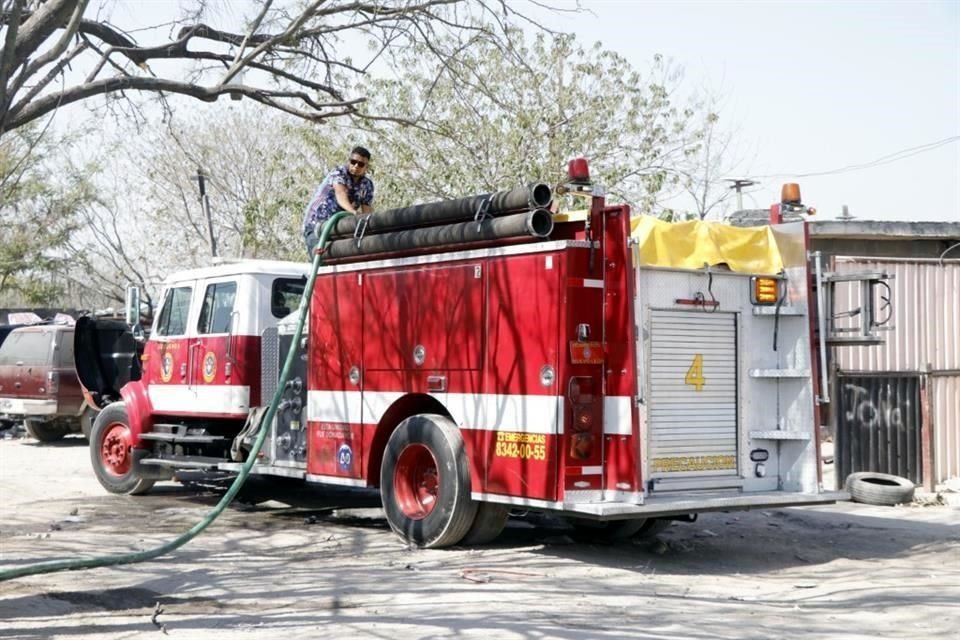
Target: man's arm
(366, 198)
(343, 199)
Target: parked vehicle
(38, 383)
(5, 421)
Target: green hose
(53, 566)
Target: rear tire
(488, 525)
(111, 452)
(425, 482)
(45, 431)
(652, 528)
(608, 532)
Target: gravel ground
(839, 571)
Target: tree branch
(51, 75)
(36, 27)
(252, 30)
(6, 62)
(270, 40)
(48, 103)
(308, 39)
(55, 52)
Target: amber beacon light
(790, 198)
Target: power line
(887, 159)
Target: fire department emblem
(209, 367)
(166, 367)
(345, 457)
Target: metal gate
(692, 425)
(878, 426)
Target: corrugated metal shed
(945, 416)
(925, 313)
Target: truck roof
(269, 267)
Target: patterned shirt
(324, 203)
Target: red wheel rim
(416, 481)
(115, 449)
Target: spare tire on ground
(880, 489)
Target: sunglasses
(359, 163)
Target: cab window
(217, 309)
(30, 348)
(285, 296)
(173, 315)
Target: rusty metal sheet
(879, 426)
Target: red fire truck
(616, 375)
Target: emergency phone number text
(526, 446)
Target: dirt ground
(840, 571)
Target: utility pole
(205, 203)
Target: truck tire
(45, 431)
(86, 422)
(425, 482)
(111, 452)
(488, 525)
(608, 532)
(651, 528)
(881, 489)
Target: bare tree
(39, 201)
(552, 100)
(295, 56)
(703, 182)
(109, 253)
(147, 219)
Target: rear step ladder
(870, 323)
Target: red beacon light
(578, 171)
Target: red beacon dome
(578, 171)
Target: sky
(804, 87)
(812, 87)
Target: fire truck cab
(616, 372)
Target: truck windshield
(173, 316)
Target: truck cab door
(106, 357)
(166, 356)
(213, 345)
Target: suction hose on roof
(53, 566)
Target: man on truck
(346, 188)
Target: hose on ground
(53, 566)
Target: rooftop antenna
(738, 184)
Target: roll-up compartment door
(692, 424)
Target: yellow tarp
(690, 245)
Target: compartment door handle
(436, 383)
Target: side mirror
(132, 307)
